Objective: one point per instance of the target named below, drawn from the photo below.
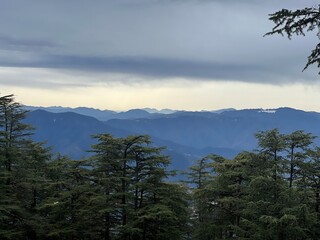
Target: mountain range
(187, 135)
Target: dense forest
(124, 191)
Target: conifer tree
(129, 190)
(297, 145)
(14, 140)
(64, 207)
(298, 22)
(200, 176)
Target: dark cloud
(153, 67)
(160, 68)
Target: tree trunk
(291, 168)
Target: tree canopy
(124, 192)
(298, 22)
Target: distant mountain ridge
(104, 115)
(187, 135)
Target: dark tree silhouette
(298, 22)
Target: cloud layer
(196, 39)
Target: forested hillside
(122, 190)
(186, 135)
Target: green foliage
(14, 145)
(271, 194)
(122, 192)
(288, 22)
(128, 175)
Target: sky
(178, 54)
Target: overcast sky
(181, 54)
